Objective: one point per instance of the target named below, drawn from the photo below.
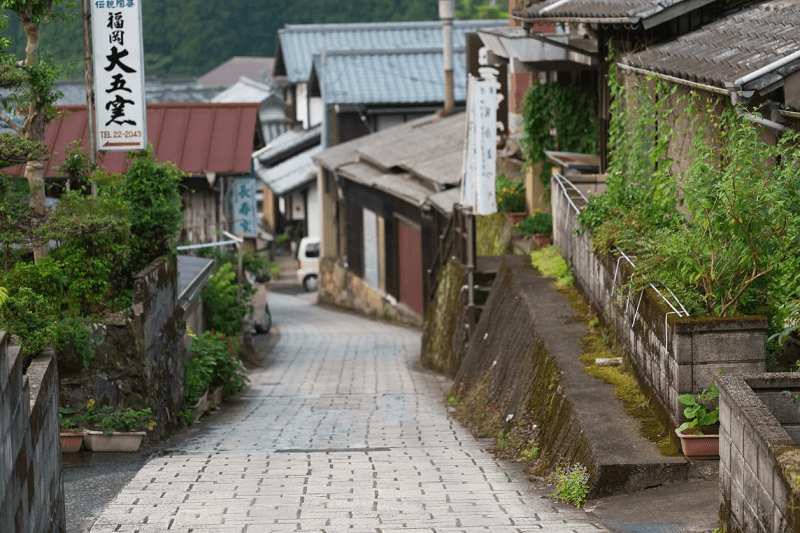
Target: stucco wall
(31, 489)
(673, 354)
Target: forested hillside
(190, 37)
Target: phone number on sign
(128, 134)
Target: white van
(308, 263)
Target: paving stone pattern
(342, 432)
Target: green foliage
(510, 195)
(572, 485)
(30, 316)
(213, 362)
(531, 453)
(71, 333)
(490, 234)
(722, 234)
(481, 9)
(152, 192)
(698, 410)
(537, 223)
(567, 111)
(108, 420)
(224, 307)
(187, 416)
(69, 418)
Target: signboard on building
(480, 160)
(245, 220)
(119, 75)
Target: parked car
(308, 263)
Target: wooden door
(409, 251)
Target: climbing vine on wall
(555, 117)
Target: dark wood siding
(409, 251)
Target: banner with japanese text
(245, 220)
(119, 75)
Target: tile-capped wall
(759, 479)
(31, 490)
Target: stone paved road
(342, 432)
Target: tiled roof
(157, 90)
(298, 44)
(388, 76)
(290, 174)
(246, 90)
(287, 145)
(610, 11)
(197, 137)
(226, 74)
(724, 51)
(430, 148)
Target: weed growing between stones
(572, 484)
(549, 262)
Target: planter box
(215, 397)
(200, 407)
(543, 239)
(516, 217)
(704, 446)
(71, 441)
(128, 441)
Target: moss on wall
(440, 324)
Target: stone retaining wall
(673, 354)
(139, 358)
(341, 288)
(31, 490)
(759, 460)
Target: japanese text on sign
(244, 207)
(119, 75)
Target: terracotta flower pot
(516, 217)
(705, 446)
(543, 239)
(119, 441)
(71, 440)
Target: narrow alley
(341, 431)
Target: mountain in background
(191, 37)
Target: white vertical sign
(119, 75)
(486, 137)
(244, 207)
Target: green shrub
(152, 192)
(510, 195)
(223, 305)
(214, 362)
(71, 333)
(537, 223)
(108, 420)
(29, 316)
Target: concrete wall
(139, 361)
(340, 287)
(759, 461)
(31, 490)
(673, 354)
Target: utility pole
(88, 73)
(447, 12)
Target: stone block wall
(341, 288)
(139, 358)
(31, 489)
(673, 354)
(759, 469)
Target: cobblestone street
(342, 431)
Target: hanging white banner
(119, 75)
(244, 207)
(486, 147)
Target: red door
(410, 265)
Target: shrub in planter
(116, 431)
(214, 362)
(71, 433)
(510, 195)
(536, 223)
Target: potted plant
(510, 197)
(70, 432)
(116, 431)
(540, 226)
(700, 434)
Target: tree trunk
(33, 128)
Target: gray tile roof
(298, 44)
(157, 90)
(226, 74)
(290, 174)
(388, 76)
(722, 52)
(413, 161)
(288, 144)
(610, 11)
